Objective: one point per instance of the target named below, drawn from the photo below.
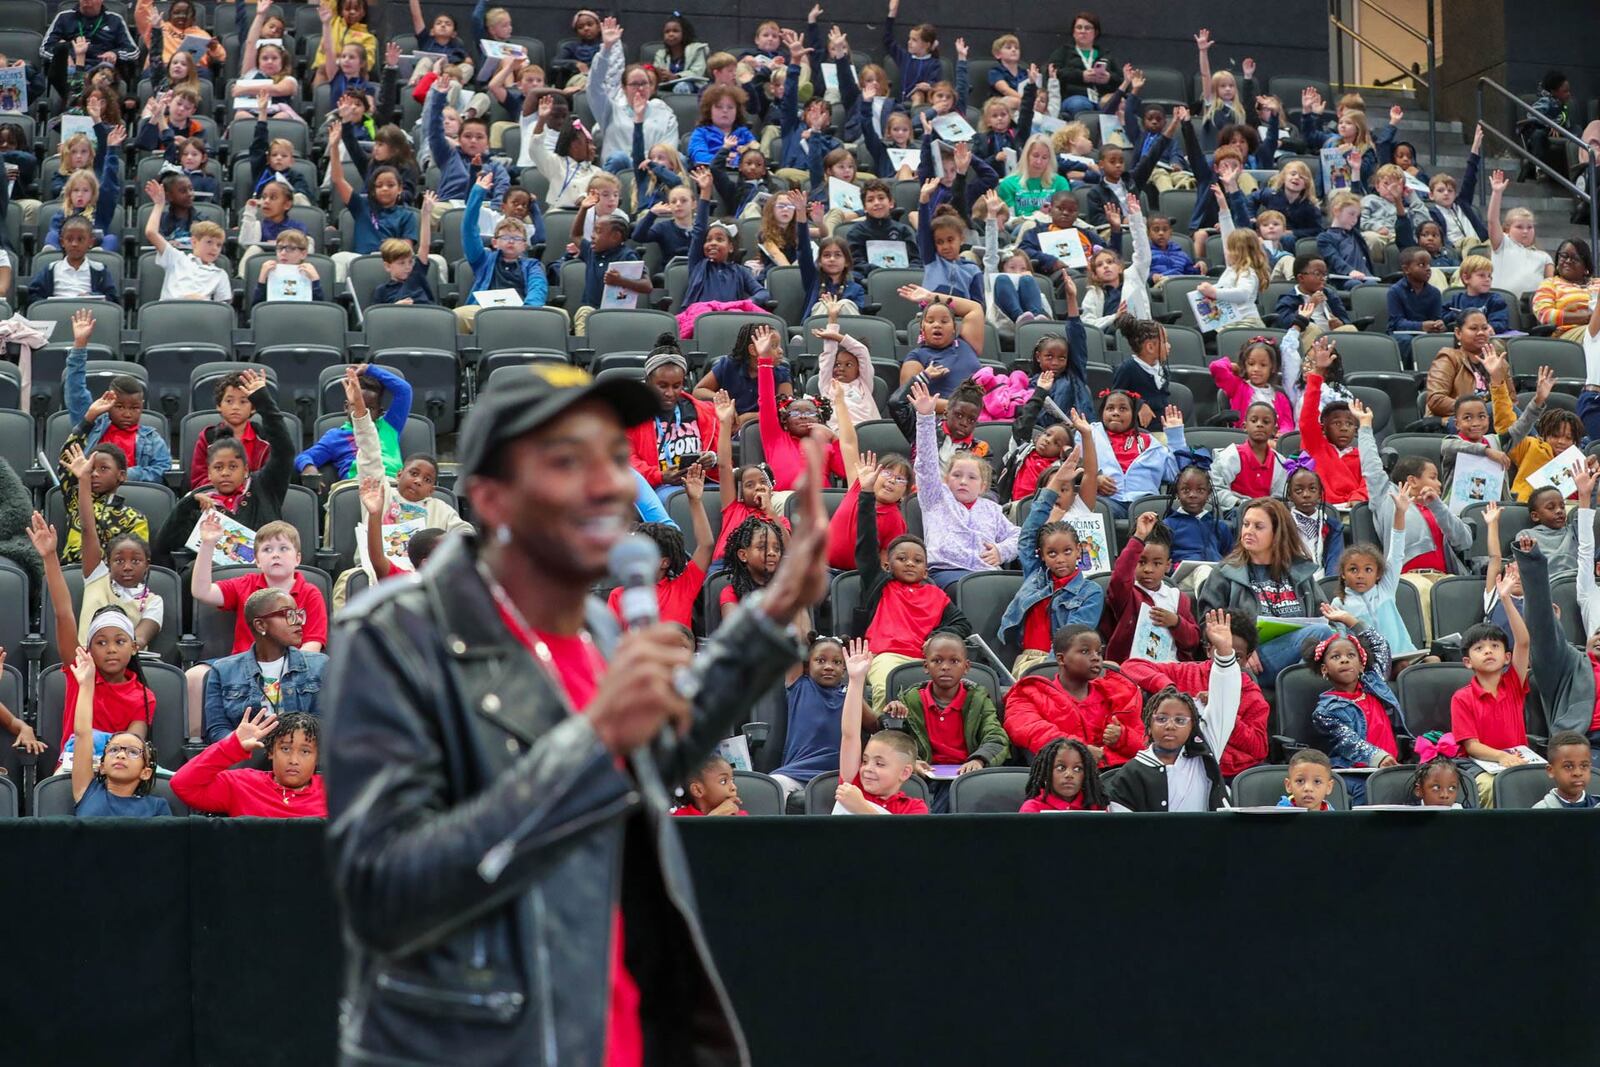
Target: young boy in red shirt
(291, 790)
(236, 407)
(1486, 714)
(277, 551)
(1138, 580)
(953, 722)
(1080, 700)
(871, 780)
(713, 790)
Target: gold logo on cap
(562, 376)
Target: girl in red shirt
(291, 789)
(1064, 778)
(894, 482)
(755, 549)
(744, 491)
(122, 701)
(681, 576)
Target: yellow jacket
(1529, 454)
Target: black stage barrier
(1380, 938)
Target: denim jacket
(235, 684)
(1340, 722)
(1080, 600)
(152, 458)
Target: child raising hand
(871, 780)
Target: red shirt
(727, 596)
(255, 453)
(235, 591)
(906, 615)
(205, 783)
(1027, 479)
(1128, 446)
(676, 596)
(1039, 710)
(690, 809)
(1255, 477)
(947, 734)
(1048, 801)
(127, 440)
(578, 665)
(842, 530)
(1429, 561)
(117, 705)
(1494, 719)
(899, 804)
(1340, 472)
(1379, 730)
(735, 514)
(1036, 632)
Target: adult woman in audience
(1562, 300)
(622, 103)
(1458, 371)
(1268, 573)
(1083, 66)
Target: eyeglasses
(290, 615)
(1171, 720)
(892, 479)
(131, 751)
(512, 238)
(1568, 257)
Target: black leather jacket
(446, 736)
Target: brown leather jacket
(1451, 375)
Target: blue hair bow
(1193, 457)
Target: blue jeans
(1285, 651)
(1119, 508)
(947, 577)
(1589, 412)
(618, 163)
(1017, 293)
(1073, 106)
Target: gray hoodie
(1562, 675)
(1418, 540)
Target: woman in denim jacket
(273, 674)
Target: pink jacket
(1004, 394)
(1241, 394)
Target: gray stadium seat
(1521, 787)
(1262, 786)
(759, 794)
(168, 726)
(819, 792)
(993, 790)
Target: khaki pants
(580, 321)
(1166, 180)
(1484, 783)
(883, 664)
(1030, 658)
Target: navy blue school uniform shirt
(413, 285)
(596, 265)
(100, 803)
(1202, 536)
(673, 239)
(1492, 304)
(733, 376)
(1134, 377)
(1409, 309)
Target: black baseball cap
(535, 396)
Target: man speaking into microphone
(512, 888)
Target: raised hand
(723, 404)
(210, 528)
(961, 48)
(154, 193)
(1219, 629)
(922, 401)
(610, 31)
(372, 496)
(1362, 413)
(702, 181)
(1396, 113)
(83, 669)
(1546, 382)
(1494, 363)
(253, 729)
(1498, 182)
(1248, 67)
(963, 156)
(766, 342)
(1144, 524)
(1172, 418)
(1203, 40)
(867, 474)
(42, 535)
(1113, 215)
(857, 659)
(77, 464)
(102, 404)
(1583, 478)
(694, 481)
(391, 54)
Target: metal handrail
(1428, 40)
(1540, 165)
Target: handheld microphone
(635, 562)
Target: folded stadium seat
(196, 422)
(1424, 691)
(1156, 503)
(620, 364)
(983, 597)
(418, 436)
(300, 341)
(10, 386)
(1212, 437)
(1424, 348)
(204, 377)
(716, 331)
(16, 591)
(1289, 729)
(788, 294)
(1513, 520)
(622, 330)
(1520, 787)
(1454, 604)
(759, 794)
(912, 675)
(883, 291)
(1392, 785)
(1267, 302)
(882, 436)
(167, 729)
(302, 510)
(1178, 205)
(993, 790)
(50, 361)
(448, 227)
(1528, 354)
(342, 514)
(1564, 591)
(420, 343)
(997, 435)
(557, 227)
(59, 426)
(566, 290)
(163, 581)
(175, 336)
(747, 446)
(675, 281)
(516, 336)
(1426, 445)
(710, 609)
(213, 627)
(874, 331)
(53, 794)
(1176, 293)
(819, 792)
(1368, 302)
(1261, 786)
